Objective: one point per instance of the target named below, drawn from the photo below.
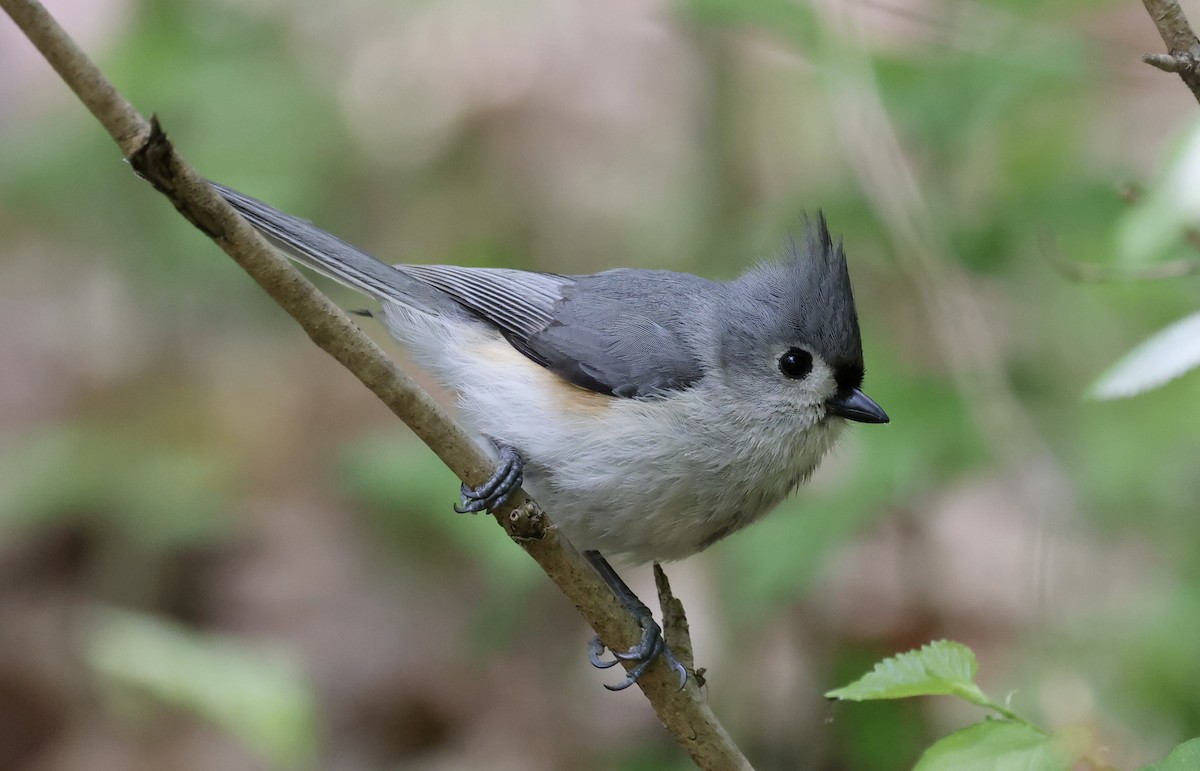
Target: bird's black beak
(857, 406)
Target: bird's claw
(497, 490)
(650, 647)
(596, 650)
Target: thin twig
(1091, 273)
(1183, 49)
(676, 631)
(684, 713)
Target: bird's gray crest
(804, 299)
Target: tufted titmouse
(651, 413)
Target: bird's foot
(496, 491)
(651, 646)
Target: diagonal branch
(1183, 49)
(684, 713)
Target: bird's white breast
(644, 479)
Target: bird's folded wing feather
(595, 340)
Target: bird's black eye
(796, 363)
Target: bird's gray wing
(517, 302)
(604, 332)
(607, 333)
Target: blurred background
(218, 551)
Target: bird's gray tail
(308, 245)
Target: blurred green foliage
(170, 445)
(166, 496)
(261, 696)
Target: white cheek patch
(818, 385)
(821, 381)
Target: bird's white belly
(641, 479)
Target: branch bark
(683, 712)
(1183, 49)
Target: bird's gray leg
(648, 648)
(493, 493)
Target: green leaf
(938, 669)
(1165, 356)
(1185, 757)
(1002, 745)
(258, 694)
